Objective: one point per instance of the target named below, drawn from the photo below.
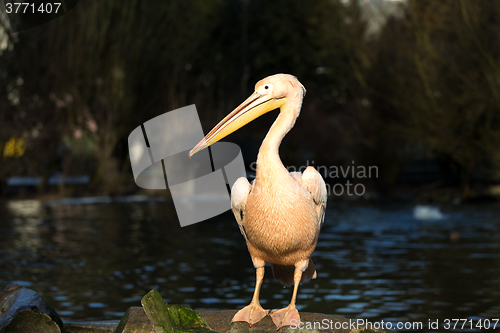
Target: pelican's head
(270, 93)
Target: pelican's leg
(254, 312)
(289, 316)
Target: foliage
(437, 80)
(76, 87)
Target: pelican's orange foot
(288, 316)
(252, 314)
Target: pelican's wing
(315, 184)
(239, 195)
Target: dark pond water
(94, 260)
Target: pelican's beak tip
(197, 148)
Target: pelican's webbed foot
(252, 314)
(288, 316)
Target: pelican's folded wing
(239, 196)
(315, 184)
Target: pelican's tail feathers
(284, 274)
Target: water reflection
(93, 260)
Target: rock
(33, 321)
(23, 310)
(220, 321)
(157, 312)
(135, 320)
(157, 317)
(106, 326)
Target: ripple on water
(210, 300)
(65, 313)
(341, 297)
(238, 301)
(349, 310)
(375, 292)
(396, 306)
(132, 299)
(23, 283)
(96, 305)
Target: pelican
(280, 213)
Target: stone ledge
(220, 321)
(23, 310)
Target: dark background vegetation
(412, 87)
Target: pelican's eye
(265, 89)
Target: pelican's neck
(268, 159)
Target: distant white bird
(421, 212)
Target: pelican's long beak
(254, 106)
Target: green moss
(172, 318)
(123, 322)
(182, 316)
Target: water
(94, 258)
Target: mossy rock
(172, 318)
(24, 310)
(183, 316)
(220, 321)
(32, 320)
